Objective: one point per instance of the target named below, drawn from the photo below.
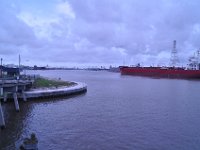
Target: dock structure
(12, 85)
(13, 88)
(2, 122)
(18, 89)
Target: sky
(87, 33)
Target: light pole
(19, 64)
(1, 67)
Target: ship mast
(174, 57)
(197, 63)
(198, 55)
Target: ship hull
(160, 72)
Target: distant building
(39, 68)
(9, 71)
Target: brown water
(117, 112)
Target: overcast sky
(98, 32)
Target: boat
(190, 72)
(159, 72)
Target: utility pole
(1, 68)
(19, 64)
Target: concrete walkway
(53, 92)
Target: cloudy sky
(98, 32)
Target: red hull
(160, 72)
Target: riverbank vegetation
(48, 83)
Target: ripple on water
(117, 112)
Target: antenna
(19, 63)
(174, 57)
(1, 67)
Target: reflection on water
(15, 123)
(117, 112)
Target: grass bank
(48, 83)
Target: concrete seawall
(43, 93)
(54, 92)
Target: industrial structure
(173, 71)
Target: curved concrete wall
(61, 91)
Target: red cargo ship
(192, 72)
(169, 72)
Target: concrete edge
(61, 91)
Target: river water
(117, 112)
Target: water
(117, 112)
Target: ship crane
(194, 61)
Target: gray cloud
(15, 34)
(107, 32)
(140, 27)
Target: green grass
(43, 82)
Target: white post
(5, 97)
(2, 122)
(1, 91)
(24, 96)
(16, 101)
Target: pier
(15, 86)
(2, 121)
(12, 88)
(20, 89)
